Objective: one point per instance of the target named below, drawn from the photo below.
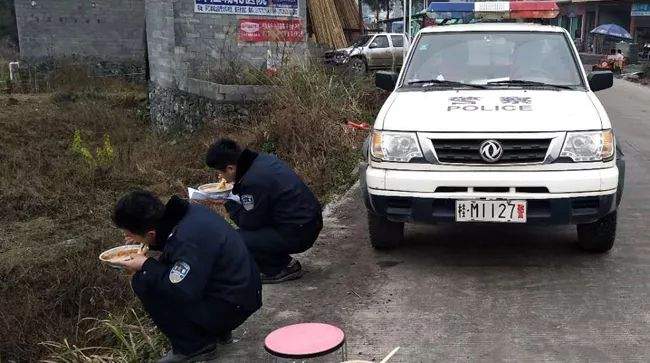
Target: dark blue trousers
(272, 246)
(192, 327)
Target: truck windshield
(499, 59)
(362, 41)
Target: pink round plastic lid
(305, 340)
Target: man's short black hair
(138, 212)
(222, 153)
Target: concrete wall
(195, 60)
(108, 30)
(8, 31)
(207, 43)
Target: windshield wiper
(437, 82)
(522, 82)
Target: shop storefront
(640, 23)
(580, 17)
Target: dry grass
(126, 338)
(54, 206)
(307, 125)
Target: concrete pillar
(633, 27)
(13, 71)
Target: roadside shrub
(305, 123)
(124, 338)
(103, 157)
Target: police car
(493, 123)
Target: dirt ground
(342, 276)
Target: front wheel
(358, 66)
(599, 236)
(384, 234)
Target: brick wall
(108, 30)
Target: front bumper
(335, 60)
(554, 197)
(577, 210)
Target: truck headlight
(395, 146)
(589, 146)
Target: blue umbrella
(612, 30)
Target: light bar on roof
(540, 9)
(492, 10)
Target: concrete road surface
(481, 293)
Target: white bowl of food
(121, 253)
(219, 190)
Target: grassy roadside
(56, 195)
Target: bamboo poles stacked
(348, 11)
(327, 25)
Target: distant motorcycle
(645, 51)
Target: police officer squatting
(203, 285)
(277, 214)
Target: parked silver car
(371, 52)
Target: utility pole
(404, 13)
(410, 17)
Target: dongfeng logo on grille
(491, 151)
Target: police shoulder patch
(178, 272)
(248, 202)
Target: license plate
(499, 211)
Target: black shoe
(293, 271)
(207, 353)
(225, 338)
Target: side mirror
(386, 80)
(600, 80)
(373, 45)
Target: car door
(398, 48)
(379, 52)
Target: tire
(599, 236)
(358, 66)
(384, 234)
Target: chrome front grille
(467, 151)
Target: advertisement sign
(641, 9)
(286, 8)
(264, 30)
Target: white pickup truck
(493, 123)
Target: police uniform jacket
(271, 195)
(203, 259)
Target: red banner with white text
(271, 30)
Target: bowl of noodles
(121, 254)
(217, 190)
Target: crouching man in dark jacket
(277, 214)
(204, 285)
